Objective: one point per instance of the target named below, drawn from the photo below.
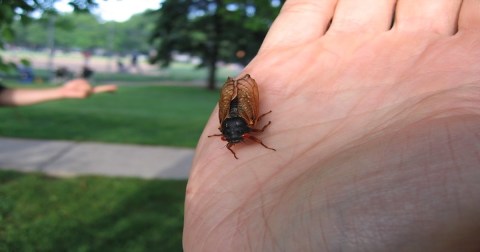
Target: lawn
(152, 115)
(40, 213)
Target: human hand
(376, 131)
(81, 88)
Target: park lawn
(41, 213)
(151, 115)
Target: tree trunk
(51, 47)
(215, 45)
(212, 70)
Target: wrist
(59, 93)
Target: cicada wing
(227, 94)
(247, 93)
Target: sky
(115, 10)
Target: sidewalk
(68, 158)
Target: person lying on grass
(73, 89)
(376, 122)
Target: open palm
(376, 130)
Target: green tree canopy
(72, 30)
(86, 31)
(213, 30)
(21, 10)
(133, 34)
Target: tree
(11, 10)
(133, 34)
(85, 33)
(213, 30)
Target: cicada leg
(219, 128)
(260, 117)
(230, 149)
(220, 135)
(257, 140)
(262, 129)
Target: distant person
(87, 54)
(26, 73)
(86, 73)
(62, 75)
(73, 89)
(134, 62)
(121, 67)
(63, 72)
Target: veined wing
(227, 94)
(247, 94)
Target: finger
(435, 16)
(363, 16)
(299, 21)
(104, 88)
(469, 18)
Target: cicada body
(239, 112)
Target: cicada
(239, 112)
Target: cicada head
(233, 129)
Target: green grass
(40, 213)
(152, 115)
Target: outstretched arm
(74, 89)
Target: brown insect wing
(227, 94)
(247, 94)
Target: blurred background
(168, 59)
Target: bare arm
(74, 89)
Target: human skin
(376, 129)
(73, 89)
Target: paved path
(67, 158)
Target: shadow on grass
(38, 213)
(7, 176)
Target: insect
(238, 112)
